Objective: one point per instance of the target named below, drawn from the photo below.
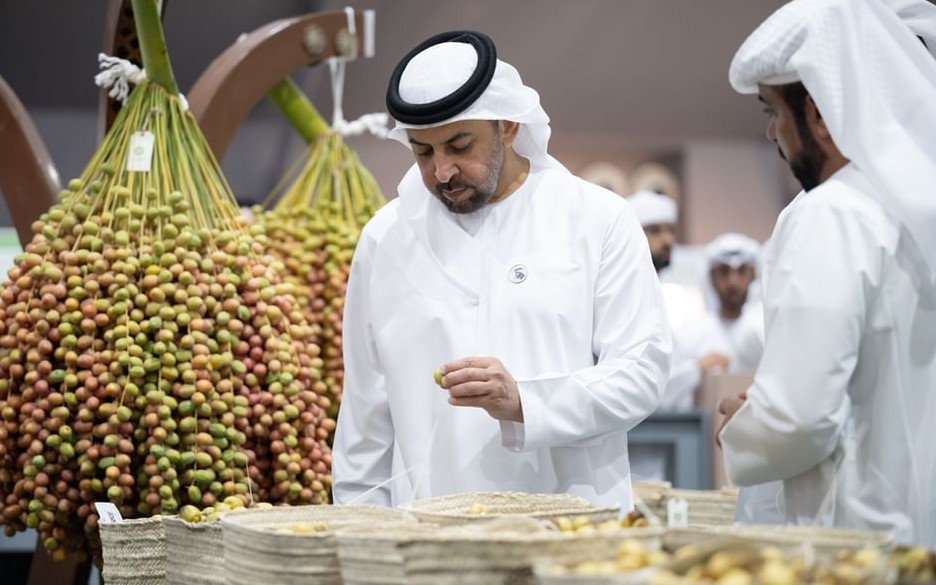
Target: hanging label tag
(108, 513)
(677, 513)
(140, 154)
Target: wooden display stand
(28, 178)
(713, 389)
(220, 100)
(244, 73)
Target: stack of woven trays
(501, 551)
(473, 507)
(291, 545)
(473, 538)
(705, 507)
(193, 552)
(134, 552)
(818, 544)
(818, 539)
(370, 554)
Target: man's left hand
(483, 382)
(728, 407)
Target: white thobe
(690, 342)
(843, 405)
(555, 281)
(744, 337)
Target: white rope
(414, 486)
(349, 14)
(117, 74)
(375, 123)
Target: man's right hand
(710, 363)
(728, 407)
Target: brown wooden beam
(243, 74)
(28, 178)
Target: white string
(781, 511)
(349, 14)
(249, 482)
(117, 74)
(391, 479)
(425, 476)
(375, 123)
(336, 66)
(828, 504)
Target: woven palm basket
(194, 552)
(709, 507)
(499, 552)
(371, 554)
(291, 545)
(821, 544)
(650, 488)
(824, 541)
(554, 573)
(706, 507)
(134, 552)
(472, 507)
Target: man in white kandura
(532, 291)
(735, 322)
(843, 403)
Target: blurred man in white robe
(736, 323)
(844, 400)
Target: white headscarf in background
(733, 249)
(875, 86)
(653, 208)
(441, 69)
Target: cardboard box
(713, 389)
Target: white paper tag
(108, 513)
(140, 154)
(677, 513)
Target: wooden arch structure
(243, 74)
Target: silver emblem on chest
(517, 273)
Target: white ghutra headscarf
(875, 86)
(441, 69)
(920, 16)
(653, 208)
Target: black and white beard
(482, 192)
